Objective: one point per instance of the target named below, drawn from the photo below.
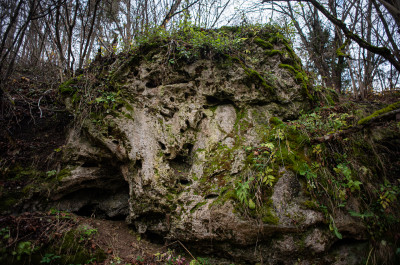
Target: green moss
(213, 108)
(269, 217)
(263, 44)
(24, 173)
(241, 124)
(197, 206)
(227, 194)
(67, 87)
(65, 172)
(277, 38)
(377, 113)
(255, 77)
(275, 121)
(26, 190)
(300, 77)
(311, 204)
(230, 29)
(339, 51)
(289, 67)
(292, 54)
(218, 160)
(265, 212)
(225, 62)
(129, 116)
(271, 53)
(127, 105)
(75, 97)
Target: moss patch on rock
(377, 113)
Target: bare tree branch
(382, 51)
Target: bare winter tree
(19, 22)
(65, 33)
(371, 24)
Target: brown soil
(120, 241)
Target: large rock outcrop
(168, 152)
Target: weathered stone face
(176, 147)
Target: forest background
(350, 46)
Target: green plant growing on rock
(310, 175)
(49, 258)
(388, 194)
(51, 173)
(266, 177)
(243, 193)
(60, 215)
(351, 184)
(23, 248)
(200, 261)
(108, 100)
(86, 233)
(5, 233)
(332, 227)
(116, 260)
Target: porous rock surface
(168, 156)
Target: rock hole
(153, 219)
(211, 196)
(154, 238)
(171, 99)
(179, 159)
(345, 242)
(212, 100)
(151, 83)
(223, 100)
(115, 142)
(182, 130)
(163, 147)
(187, 123)
(189, 148)
(90, 210)
(93, 210)
(184, 181)
(181, 165)
(96, 201)
(186, 95)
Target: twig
(369, 255)
(39, 102)
(177, 241)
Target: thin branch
(382, 51)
